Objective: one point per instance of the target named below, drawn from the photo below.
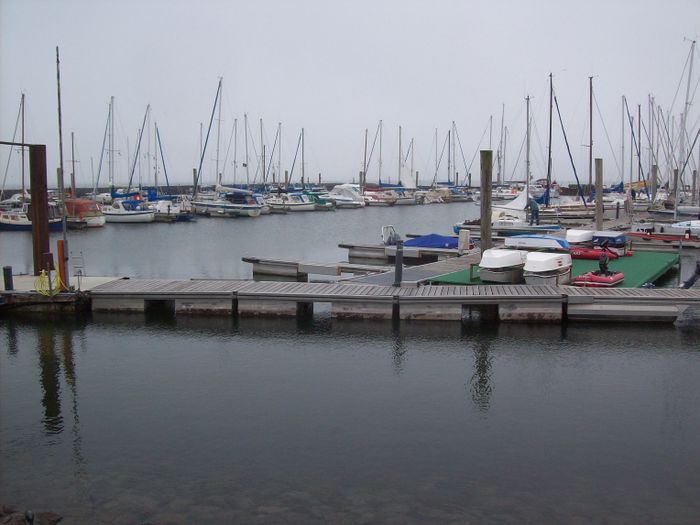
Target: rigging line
(228, 149)
(138, 147)
(206, 141)
(162, 158)
(437, 167)
(272, 155)
(668, 144)
(291, 172)
(612, 150)
(461, 151)
(255, 153)
(680, 80)
(636, 144)
(102, 154)
(668, 154)
(690, 153)
(568, 149)
(371, 151)
(476, 152)
(9, 157)
(517, 159)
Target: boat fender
(629, 253)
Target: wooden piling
(598, 194)
(486, 157)
(40, 205)
(654, 179)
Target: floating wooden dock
(347, 300)
(300, 270)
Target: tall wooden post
(486, 159)
(598, 194)
(40, 205)
(654, 181)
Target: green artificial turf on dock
(640, 268)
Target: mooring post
(598, 194)
(40, 204)
(654, 171)
(486, 157)
(7, 278)
(398, 263)
(695, 188)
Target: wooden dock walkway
(505, 302)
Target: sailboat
(16, 212)
(224, 201)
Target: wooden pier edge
(535, 304)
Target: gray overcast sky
(336, 68)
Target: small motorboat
(536, 242)
(599, 279)
(544, 268)
(579, 237)
(612, 239)
(502, 266)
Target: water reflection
(12, 340)
(398, 347)
(480, 381)
(49, 366)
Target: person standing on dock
(534, 211)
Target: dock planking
(424, 302)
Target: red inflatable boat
(590, 253)
(599, 280)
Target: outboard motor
(691, 281)
(389, 236)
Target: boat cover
(432, 240)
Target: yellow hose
(41, 284)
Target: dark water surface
(121, 419)
(132, 418)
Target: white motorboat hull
(131, 217)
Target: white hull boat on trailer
(502, 266)
(552, 269)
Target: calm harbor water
(133, 418)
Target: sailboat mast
(505, 146)
(400, 156)
(111, 142)
(590, 134)
(235, 150)
(218, 136)
(684, 116)
(454, 152)
(279, 152)
(380, 152)
(412, 162)
(21, 105)
(549, 147)
(245, 131)
(527, 146)
(155, 156)
(436, 157)
(72, 162)
(499, 155)
(449, 157)
(262, 154)
(302, 159)
(622, 140)
(639, 143)
(364, 166)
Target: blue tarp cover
(432, 240)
